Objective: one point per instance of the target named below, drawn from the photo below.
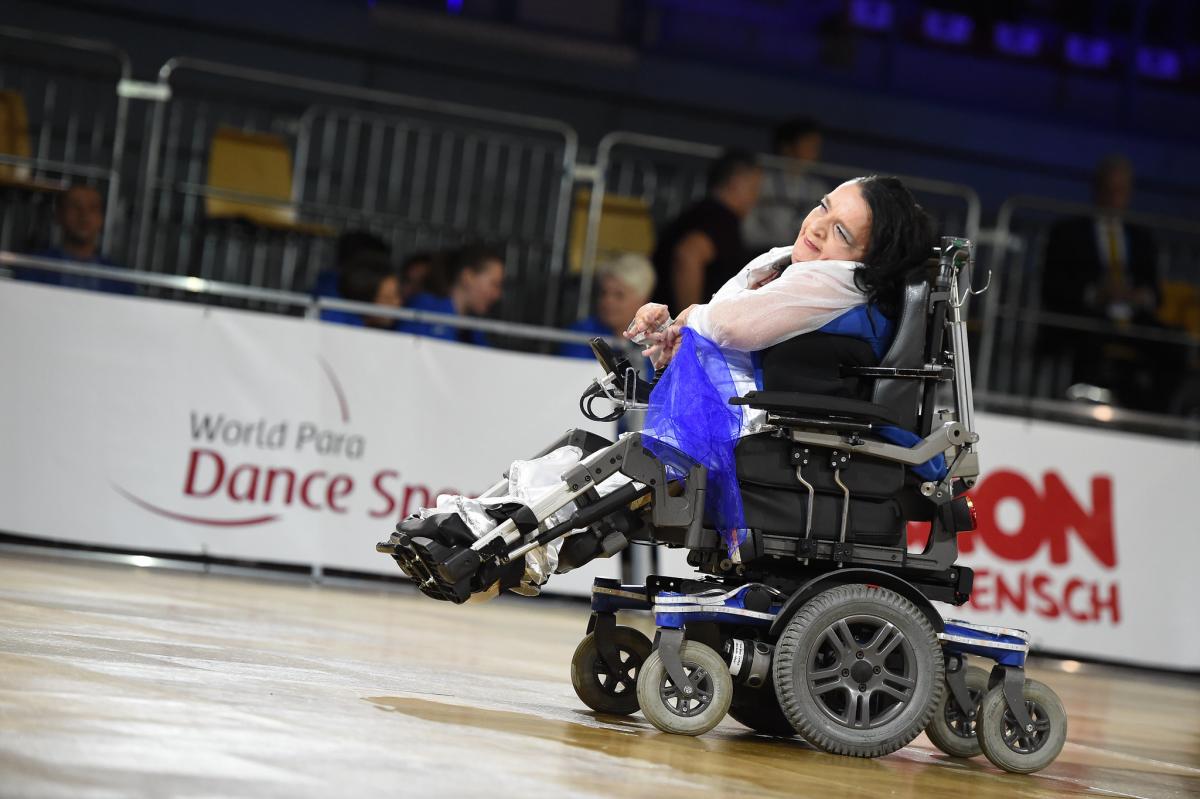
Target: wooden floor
(120, 681)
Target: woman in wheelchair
(791, 437)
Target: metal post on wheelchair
(956, 259)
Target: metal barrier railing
(273, 300)
(70, 88)
(1016, 361)
(669, 174)
(428, 172)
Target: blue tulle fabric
(690, 411)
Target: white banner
(142, 424)
(151, 425)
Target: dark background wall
(695, 71)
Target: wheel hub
(689, 700)
(1027, 741)
(862, 671)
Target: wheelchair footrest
(753, 604)
(1007, 646)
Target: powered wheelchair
(820, 622)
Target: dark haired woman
(470, 285)
(844, 275)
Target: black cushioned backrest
(812, 364)
(903, 397)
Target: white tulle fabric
(804, 298)
(740, 319)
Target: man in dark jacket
(1103, 267)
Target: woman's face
(388, 294)
(617, 303)
(482, 288)
(837, 229)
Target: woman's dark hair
(362, 274)
(901, 241)
(446, 267)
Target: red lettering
(304, 489)
(1112, 603)
(339, 487)
(1046, 608)
(1063, 512)
(406, 505)
(1005, 594)
(1025, 541)
(1073, 585)
(189, 482)
(250, 491)
(384, 493)
(272, 474)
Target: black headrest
(903, 397)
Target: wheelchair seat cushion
(774, 501)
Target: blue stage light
(1024, 41)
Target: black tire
(668, 710)
(758, 709)
(1016, 750)
(952, 729)
(594, 682)
(858, 671)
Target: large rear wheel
(858, 671)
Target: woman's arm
(803, 299)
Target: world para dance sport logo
(223, 463)
(1055, 526)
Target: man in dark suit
(1103, 267)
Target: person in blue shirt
(469, 285)
(623, 284)
(79, 212)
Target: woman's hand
(649, 321)
(666, 344)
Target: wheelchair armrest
(795, 404)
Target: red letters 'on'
(1001, 485)
(1051, 518)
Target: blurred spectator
(1104, 267)
(787, 194)
(470, 286)
(368, 277)
(415, 274)
(79, 212)
(1101, 265)
(624, 284)
(350, 245)
(702, 248)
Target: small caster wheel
(598, 686)
(1007, 745)
(669, 709)
(952, 729)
